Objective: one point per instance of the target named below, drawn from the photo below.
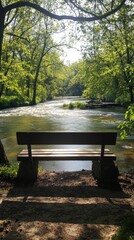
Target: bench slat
(51, 150)
(65, 154)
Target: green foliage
(31, 65)
(80, 105)
(124, 99)
(11, 101)
(8, 172)
(30, 57)
(126, 231)
(127, 126)
(110, 58)
(72, 105)
(68, 106)
(73, 84)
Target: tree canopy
(74, 10)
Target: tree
(16, 48)
(74, 79)
(119, 41)
(110, 60)
(46, 46)
(26, 46)
(85, 12)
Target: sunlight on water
(50, 116)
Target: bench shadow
(100, 213)
(66, 191)
(66, 204)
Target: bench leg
(106, 174)
(27, 172)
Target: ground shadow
(62, 204)
(66, 191)
(100, 213)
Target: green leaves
(8, 172)
(127, 126)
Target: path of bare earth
(64, 206)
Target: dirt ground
(64, 206)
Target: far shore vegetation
(72, 105)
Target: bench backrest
(61, 138)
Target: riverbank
(14, 102)
(64, 205)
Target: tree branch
(81, 9)
(14, 35)
(62, 17)
(11, 19)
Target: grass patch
(72, 105)
(126, 231)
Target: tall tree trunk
(2, 19)
(3, 157)
(28, 86)
(1, 88)
(37, 74)
(131, 94)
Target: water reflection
(50, 116)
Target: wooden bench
(53, 139)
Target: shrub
(8, 172)
(80, 105)
(126, 231)
(71, 105)
(11, 101)
(127, 126)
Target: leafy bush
(126, 231)
(68, 106)
(123, 100)
(127, 126)
(11, 101)
(80, 105)
(8, 172)
(71, 105)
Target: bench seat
(66, 154)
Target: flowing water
(50, 116)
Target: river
(50, 116)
